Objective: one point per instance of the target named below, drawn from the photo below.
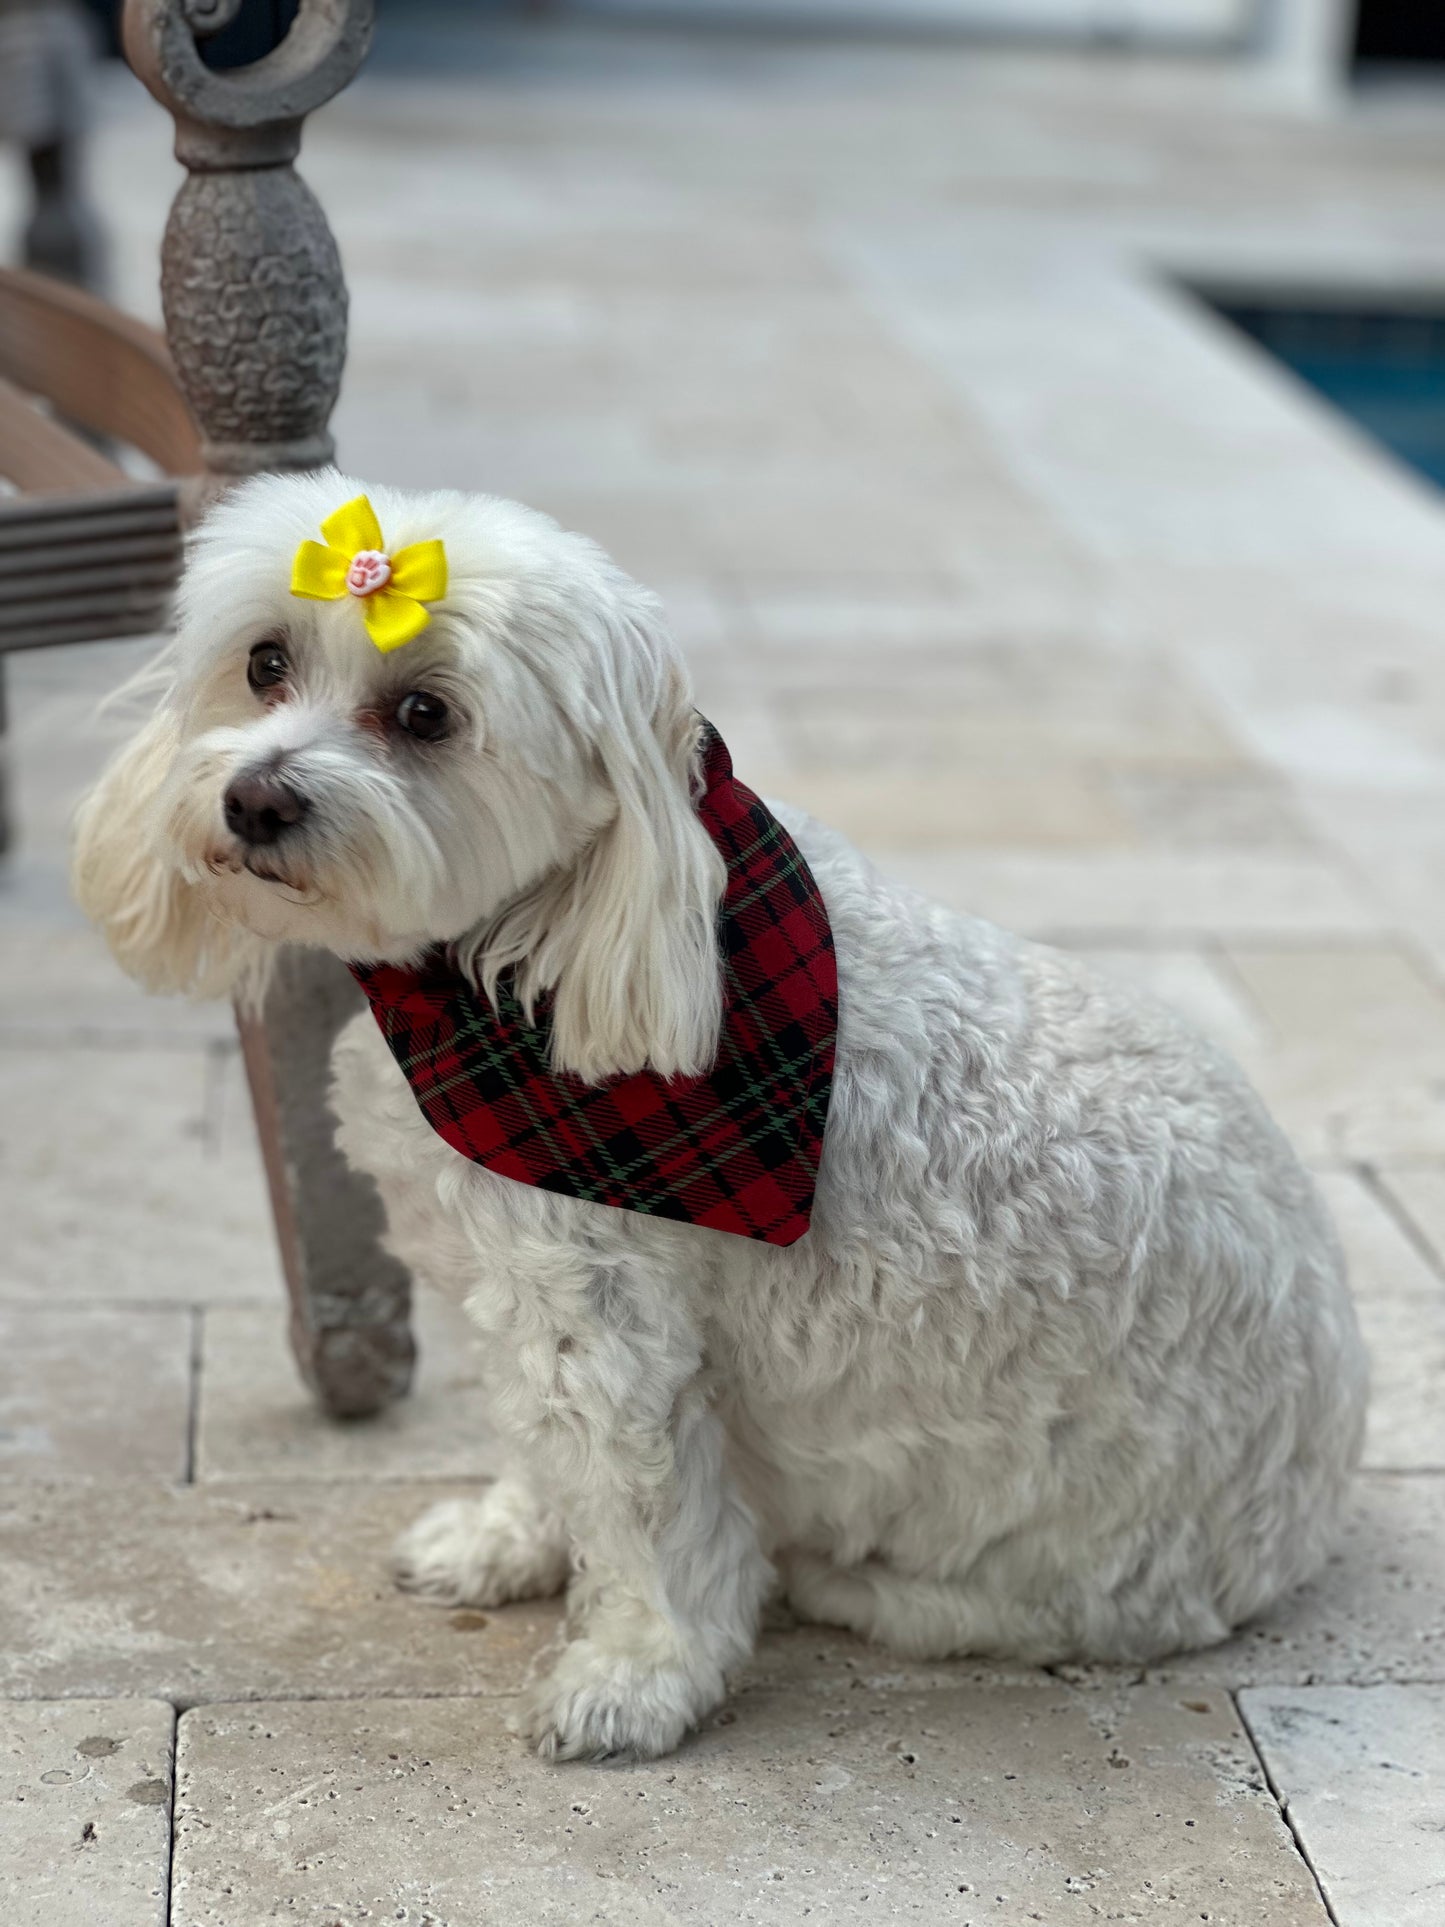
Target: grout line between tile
(181, 1706)
(1282, 1803)
(1378, 1188)
(193, 1400)
(170, 1870)
(221, 1482)
(1215, 951)
(1422, 961)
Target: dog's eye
(422, 715)
(268, 666)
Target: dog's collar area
(735, 1150)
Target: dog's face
(325, 792)
(514, 780)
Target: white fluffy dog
(1066, 1366)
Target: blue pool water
(1383, 367)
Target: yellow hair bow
(354, 561)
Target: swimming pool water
(1383, 367)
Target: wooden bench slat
(97, 365)
(118, 519)
(122, 592)
(38, 454)
(162, 548)
(148, 496)
(54, 635)
(103, 578)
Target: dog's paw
(597, 1705)
(484, 1552)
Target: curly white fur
(1066, 1366)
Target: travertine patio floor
(989, 545)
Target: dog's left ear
(640, 975)
(625, 937)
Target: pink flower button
(370, 570)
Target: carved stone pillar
(255, 309)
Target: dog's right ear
(154, 918)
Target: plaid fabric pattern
(734, 1150)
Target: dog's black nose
(259, 805)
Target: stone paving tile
(851, 622)
(63, 987)
(1193, 985)
(1375, 1613)
(814, 620)
(1355, 1060)
(1419, 1192)
(1398, 841)
(650, 531)
(1033, 707)
(1354, 1064)
(1356, 730)
(1361, 1772)
(1401, 1302)
(85, 1786)
(259, 1591)
(700, 615)
(1340, 1106)
(821, 1659)
(775, 525)
(1127, 895)
(280, 1588)
(94, 1392)
(112, 1184)
(1004, 1807)
(970, 808)
(257, 1421)
(1371, 997)
(1211, 810)
(60, 738)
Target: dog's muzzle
(260, 806)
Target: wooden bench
(89, 550)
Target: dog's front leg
(670, 1574)
(666, 1600)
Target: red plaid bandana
(734, 1150)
